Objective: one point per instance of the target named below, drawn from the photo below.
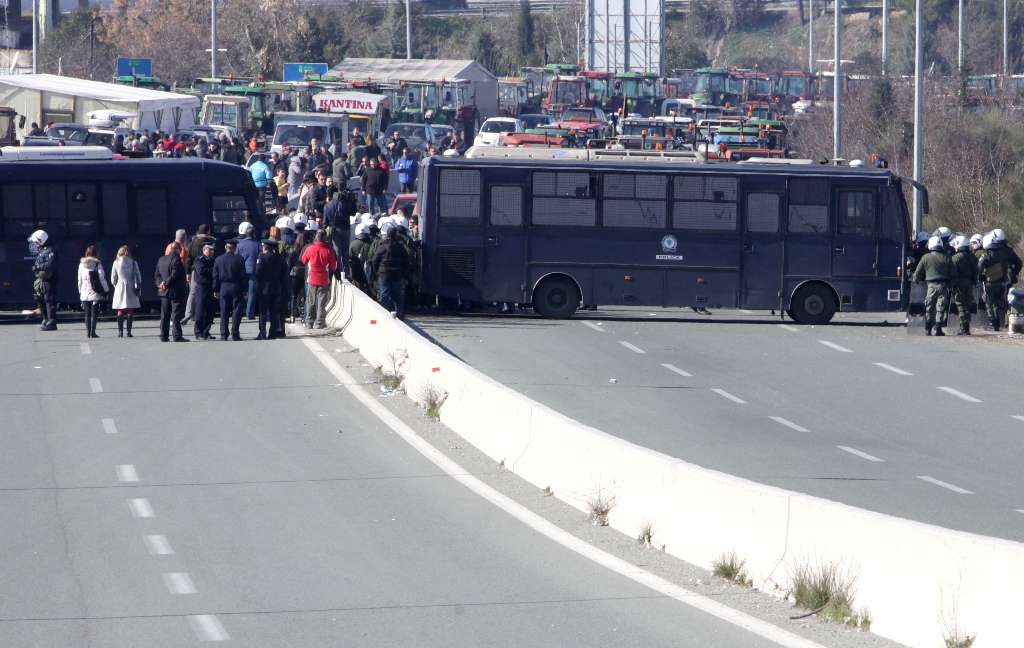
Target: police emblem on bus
(669, 243)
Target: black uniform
(229, 281)
(45, 267)
(271, 279)
(202, 278)
(170, 273)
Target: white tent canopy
(48, 97)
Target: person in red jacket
(322, 263)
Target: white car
(491, 130)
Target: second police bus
(563, 228)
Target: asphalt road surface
(171, 494)
(930, 429)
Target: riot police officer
(229, 286)
(938, 270)
(47, 273)
(963, 289)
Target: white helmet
(987, 242)
(244, 227)
(385, 226)
(935, 243)
(943, 233)
(976, 239)
(384, 219)
(300, 218)
(401, 222)
(367, 218)
(285, 223)
(362, 228)
(999, 236)
(921, 237)
(960, 243)
(451, 153)
(311, 226)
(39, 237)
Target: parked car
(491, 130)
(407, 200)
(81, 135)
(533, 120)
(417, 136)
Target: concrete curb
(911, 577)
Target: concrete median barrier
(915, 580)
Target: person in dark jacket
(194, 251)
(375, 183)
(297, 278)
(46, 271)
(272, 278)
(202, 292)
(391, 263)
(230, 280)
(359, 254)
(337, 215)
(170, 283)
(249, 250)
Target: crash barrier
(917, 582)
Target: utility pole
(35, 36)
(918, 70)
(408, 31)
(213, 38)
(885, 37)
(1006, 38)
(960, 37)
(810, 39)
(837, 84)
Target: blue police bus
(563, 228)
(109, 203)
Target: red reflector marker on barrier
(435, 369)
(373, 321)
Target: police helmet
(935, 243)
(385, 226)
(244, 227)
(311, 226)
(988, 242)
(362, 228)
(960, 242)
(285, 223)
(976, 239)
(384, 219)
(367, 218)
(999, 236)
(943, 233)
(299, 217)
(921, 237)
(401, 222)
(39, 237)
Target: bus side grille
(458, 267)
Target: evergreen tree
(525, 35)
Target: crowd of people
(951, 264)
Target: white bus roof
(541, 153)
(38, 153)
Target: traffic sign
(299, 71)
(134, 66)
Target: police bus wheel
(556, 298)
(813, 304)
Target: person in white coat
(92, 288)
(127, 280)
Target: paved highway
(929, 429)
(170, 494)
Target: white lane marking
(955, 489)
(140, 507)
(860, 454)
(677, 370)
(180, 583)
(1018, 417)
(109, 427)
(631, 347)
(127, 472)
(833, 345)
(790, 424)
(790, 328)
(893, 369)
(722, 392)
(1019, 510)
(158, 545)
(94, 383)
(84, 346)
(960, 394)
(208, 628)
(746, 311)
(540, 525)
(596, 327)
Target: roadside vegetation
(827, 589)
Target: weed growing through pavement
(829, 589)
(392, 373)
(547, 491)
(646, 537)
(432, 398)
(599, 505)
(952, 632)
(730, 567)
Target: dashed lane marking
(789, 424)
(84, 346)
(140, 508)
(687, 597)
(862, 455)
(955, 489)
(895, 370)
(960, 394)
(1019, 417)
(833, 345)
(158, 545)
(109, 427)
(94, 384)
(208, 628)
(631, 347)
(722, 392)
(180, 583)
(126, 473)
(596, 327)
(677, 370)
(789, 328)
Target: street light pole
(918, 65)
(213, 38)
(810, 39)
(885, 37)
(1006, 38)
(408, 31)
(960, 37)
(837, 116)
(35, 36)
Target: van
(297, 130)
